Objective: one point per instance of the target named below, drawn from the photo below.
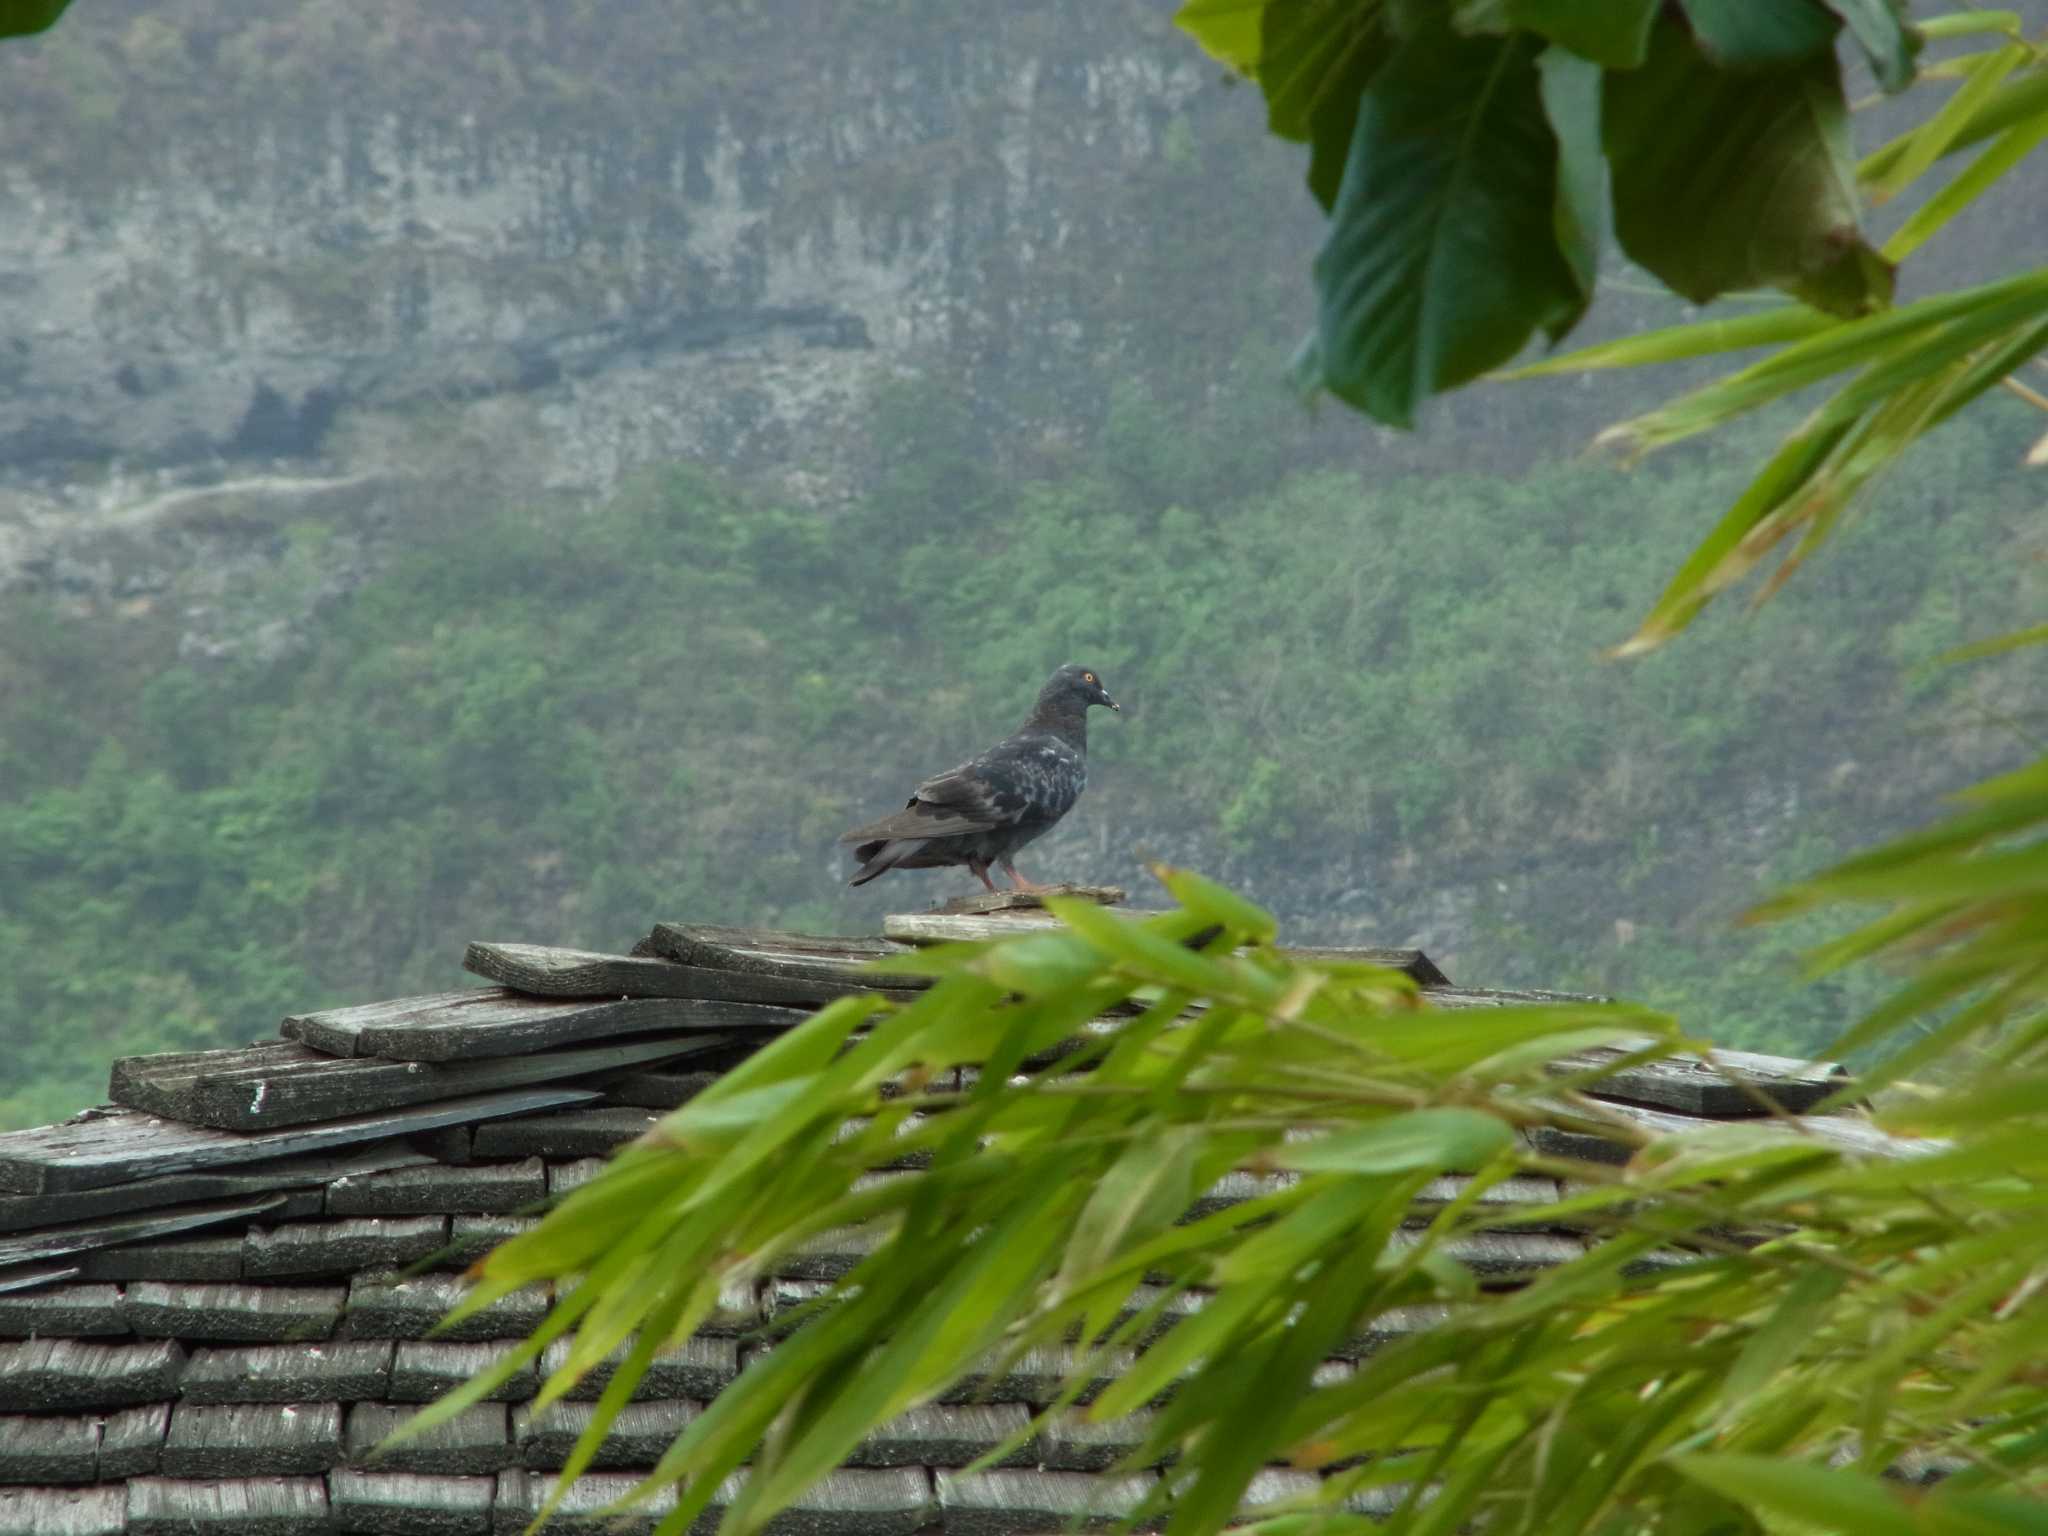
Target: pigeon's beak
(1112, 703)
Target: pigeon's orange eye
(1087, 677)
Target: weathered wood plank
(1500, 1257)
(781, 1297)
(35, 1277)
(39, 1449)
(132, 1441)
(265, 1086)
(292, 1177)
(563, 1177)
(60, 1375)
(770, 987)
(79, 1237)
(892, 1501)
(422, 1370)
(480, 1189)
(1075, 1443)
(829, 1255)
(1849, 1133)
(801, 969)
(383, 1307)
(69, 1311)
(252, 1439)
(492, 1022)
(1684, 1082)
(178, 1258)
(638, 1437)
(521, 1495)
(471, 1237)
(119, 1145)
(1519, 1190)
(233, 1314)
(475, 1441)
(408, 1504)
(696, 1368)
(1005, 1503)
(253, 1506)
(591, 1132)
(658, 1090)
(1273, 1486)
(63, 1511)
(921, 928)
(343, 1246)
(1746, 1084)
(925, 928)
(184, 1066)
(542, 970)
(1035, 1377)
(981, 903)
(938, 1436)
(336, 1371)
(1387, 1327)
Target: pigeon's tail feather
(878, 858)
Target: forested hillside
(567, 493)
(1374, 701)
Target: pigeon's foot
(981, 874)
(1018, 882)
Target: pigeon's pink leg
(980, 868)
(1017, 880)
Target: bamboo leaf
(1436, 1139)
(1983, 173)
(1832, 1500)
(1704, 338)
(1938, 134)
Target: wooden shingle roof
(216, 1292)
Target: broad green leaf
(1615, 33)
(1315, 62)
(1452, 163)
(18, 18)
(1571, 100)
(1760, 35)
(1881, 32)
(1725, 181)
(1833, 1500)
(1227, 29)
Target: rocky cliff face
(273, 238)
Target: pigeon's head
(1080, 685)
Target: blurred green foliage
(546, 724)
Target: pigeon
(989, 807)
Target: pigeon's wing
(960, 800)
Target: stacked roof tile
(216, 1292)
